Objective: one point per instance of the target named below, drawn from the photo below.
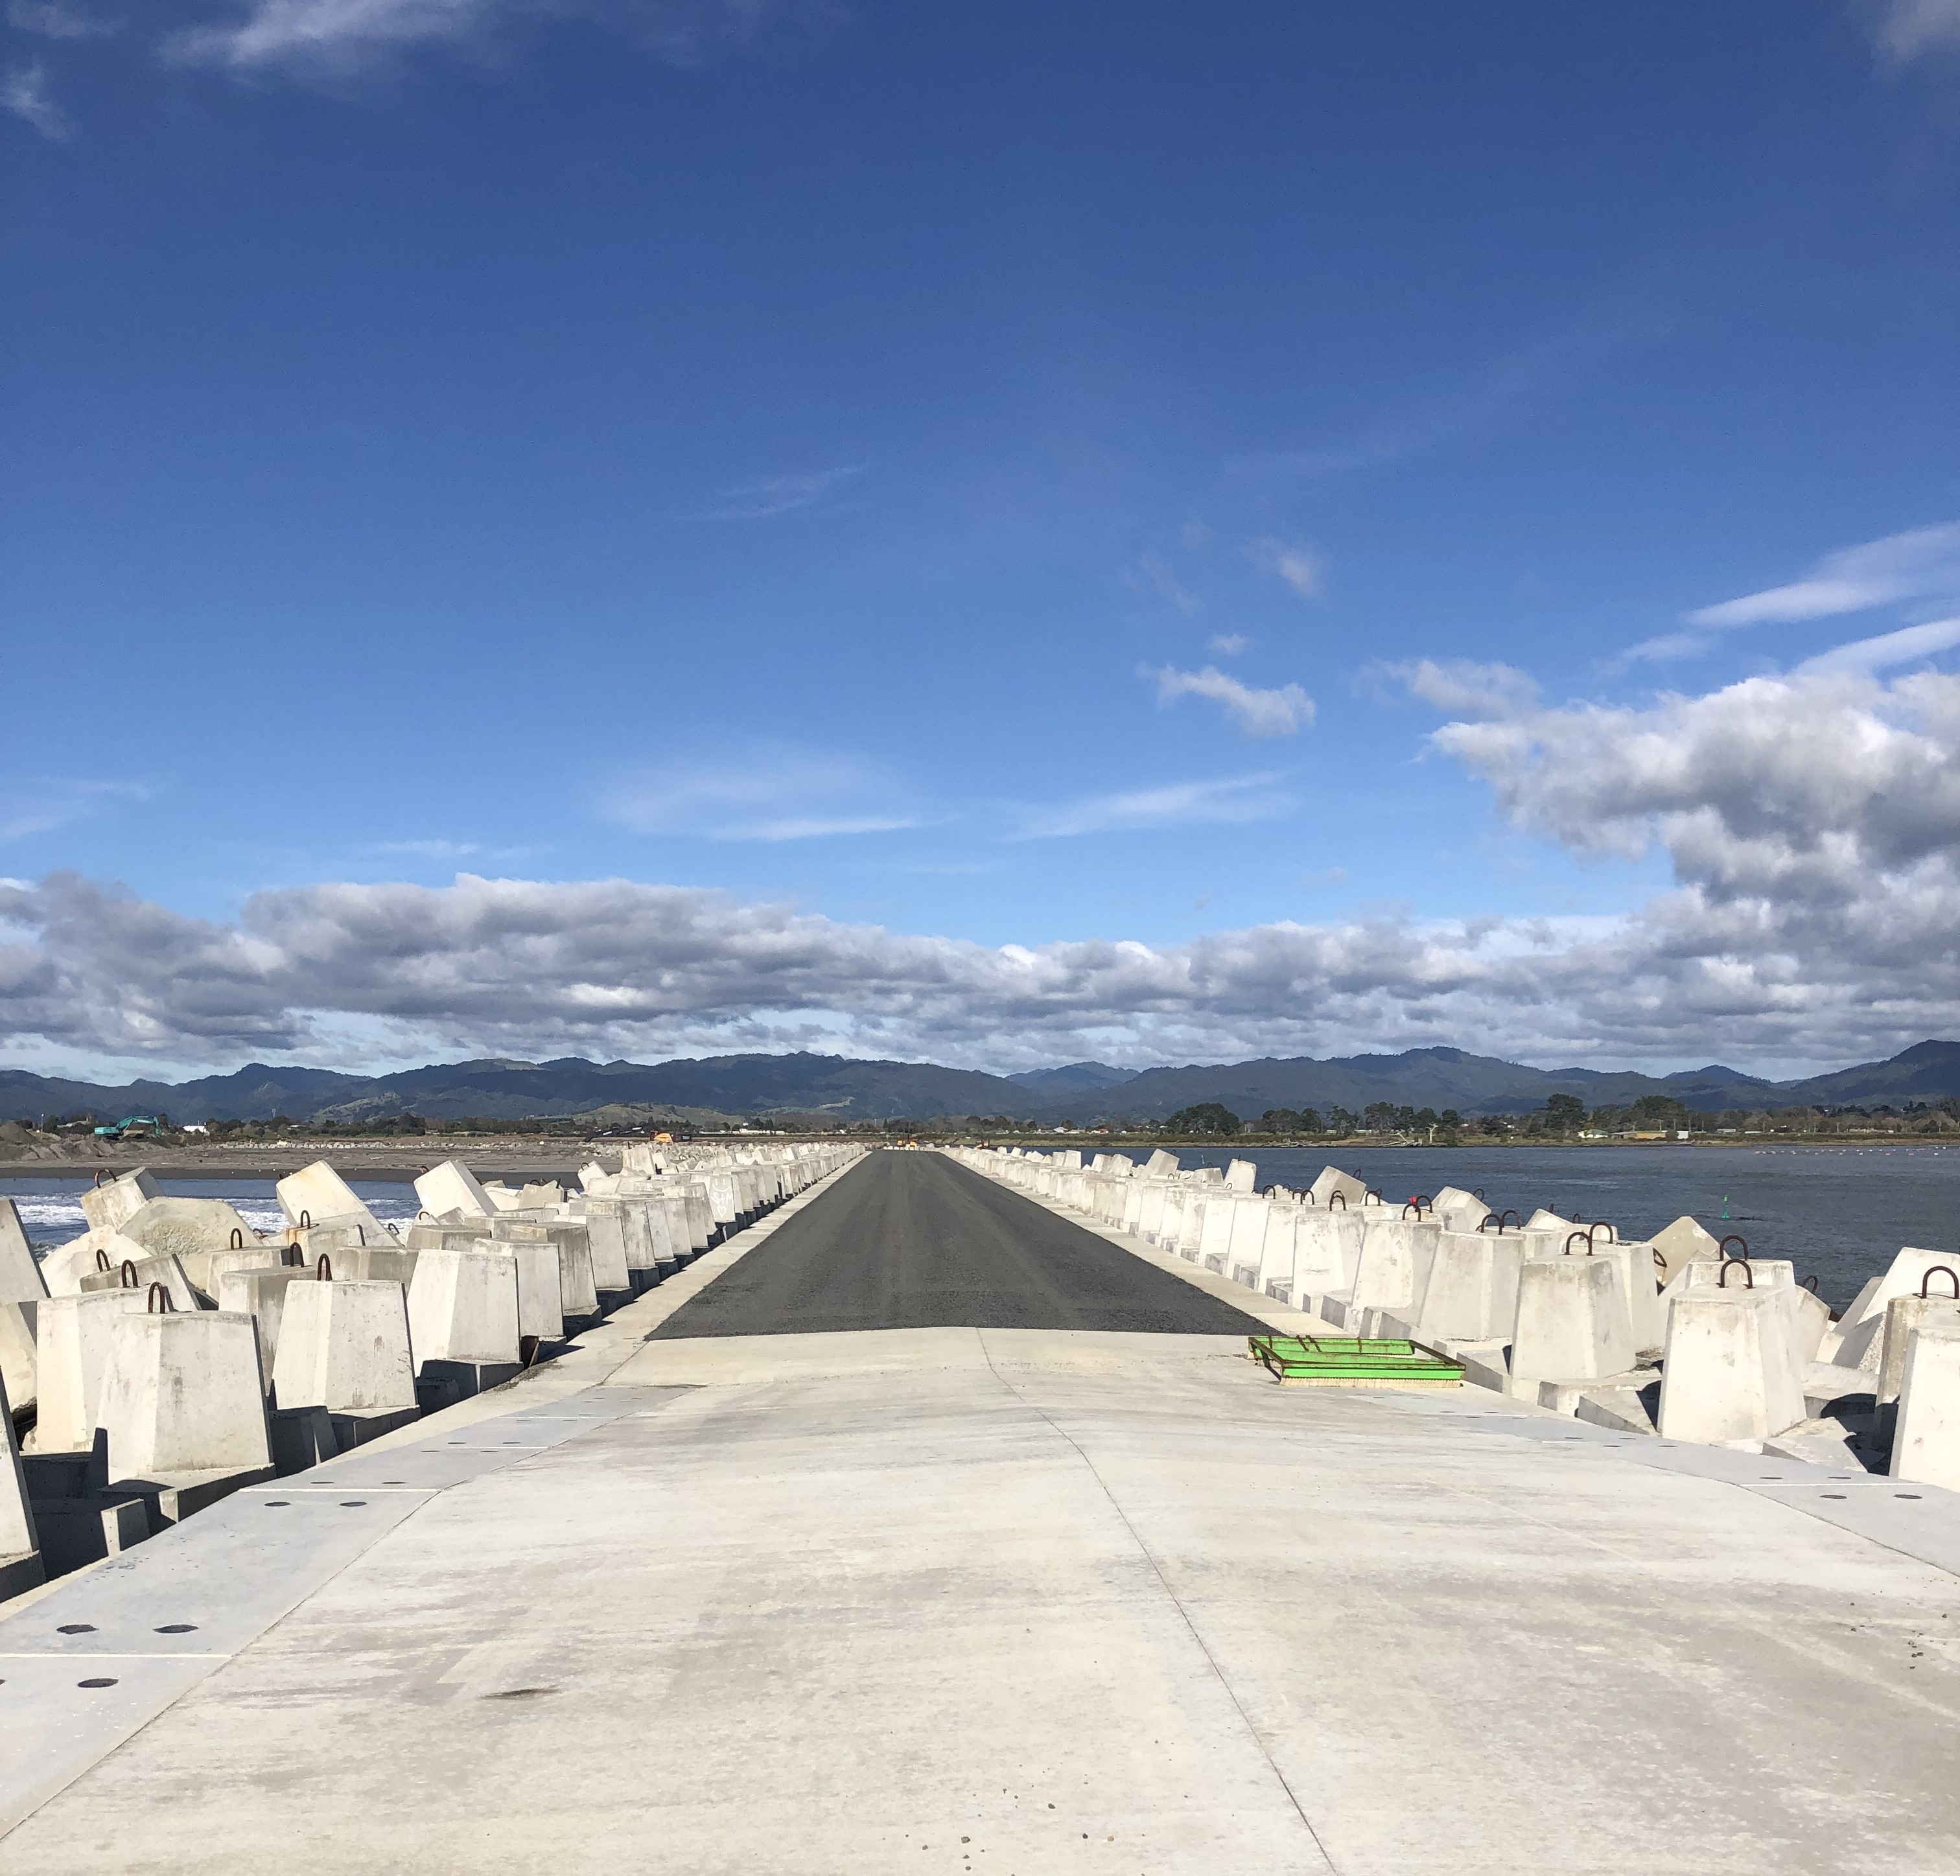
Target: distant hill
(1076, 1078)
(837, 1085)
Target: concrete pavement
(915, 1240)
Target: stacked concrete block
(186, 1228)
(343, 1345)
(452, 1186)
(1573, 1322)
(135, 1269)
(260, 1293)
(318, 1197)
(1680, 1244)
(183, 1405)
(1729, 1373)
(1925, 1442)
(1472, 1292)
(73, 1341)
(108, 1203)
(462, 1322)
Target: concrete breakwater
(170, 1354)
(1686, 1335)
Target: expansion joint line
(1177, 1602)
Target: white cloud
(1283, 712)
(763, 792)
(54, 19)
(39, 807)
(779, 494)
(23, 90)
(343, 36)
(1853, 580)
(1298, 567)
(336, 33)
(1232, 799)
(1907, 28)
(1229, 644)
(1888, 651)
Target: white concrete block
(1680, 1242)
(182, 1392)
(452, 1186)
(1926, 1445)
(260, 1293)
(1728, 1374)
(318, 1193)
(463, 1307)
(108, 1202)
(178, 1227)
(1904, 1316)
(344, 1345)
(1472, 1293)
(21, 1279)
(72, 1342)
(1241, 1175)
(1160, 1165)
(20, 1362)
(1573, 1323)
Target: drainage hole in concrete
(519, 1693)
(394, 1481)
(99, 1681)
(1833, 1494)
(76, 1628)
(1908, 1494)
(273, 1504)
(349, 1504)
(178, 1628)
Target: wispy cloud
(1154, 574)
(1887, 651)
(766, 792)
(1283, 712)
(39, 807)
(349, 35)
(772, 495)
(1232, 798)
(1853, 580)
(446, 849)
(23, 90)
(1298, 567)
(1908, 28)
(1922, 563)
(1229, 644)
(54, 19)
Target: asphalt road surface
(913, 1241)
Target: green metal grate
(1352, 1361)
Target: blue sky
(963, 532)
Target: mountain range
(839, 1087)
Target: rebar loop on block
(128, 1278)
(323, 1270)
(237, 1238)
(1808, 1283)
(1599, 1224)
(159, 1303)
(1577, 1237)
(102, 1260)
(1952, 1275)
(1736, 1264)
(1410, 1205)
(1341, 1196)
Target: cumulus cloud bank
(1811, 820)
